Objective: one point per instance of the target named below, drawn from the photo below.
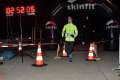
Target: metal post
(118, 68)
(40, 34)
(8, 23)
(52, 34)
(20, 50)
(20, 29)
(35, 30)
(21, 37)
(111, 36)
(119, 49)
(34, 39)
(32, 35)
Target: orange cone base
(39, 65)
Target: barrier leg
(58, 51)
(118, 68)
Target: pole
(111, 36)
(119, 49)
(118, 68)
(21, 36)
(7, 27)
(40, 35)
(35, 28)
(20, 29)
(34, 34)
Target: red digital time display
(20, 10)
(29, 10)
(9, 11)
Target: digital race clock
(28, 10)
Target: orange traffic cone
(64, 52)
(39, 59)
(91, 54)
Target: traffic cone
(91, 54)
(64, 52)
(39, 58)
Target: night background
(31, 46)
(90, 23)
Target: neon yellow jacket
(70, 32)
